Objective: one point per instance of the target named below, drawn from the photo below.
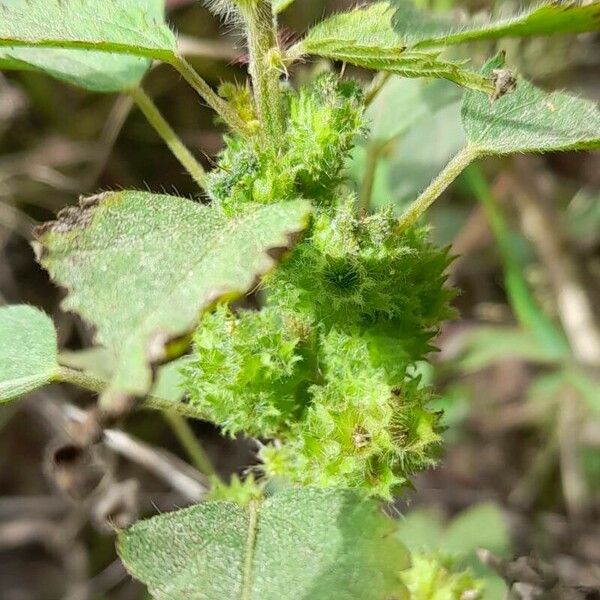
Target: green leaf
(402, 103)
(302, 544)
(142, 267)
(280, 5)
(102, 46)
(28, 351)
(395, 36)
(424, 151)
(488, 345)
(529, 120)
(480, 526)
(428, 538)
(366, 37)
(420, 29)
(415, 125)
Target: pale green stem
(263, 49)
(220, 106)
(373, 151)
(454, 168)
(376, 86)
(98, 385)
(80, 379)
(155, 118)
(189, 442)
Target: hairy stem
(264, 51)
(97, 385)
(437, 186)
(220, 106)
(155, 118)
(189, 442)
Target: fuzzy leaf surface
(420, 29)
(529, 120)
(301, 544)
(365, 37)
(101, 46)
(142, 267)
(28, 350)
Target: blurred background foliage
(516, 374)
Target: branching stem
(97, 385)
(220, 106)
(438, 186)
(181, 152)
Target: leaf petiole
(220, 106)
(190, 443)
(97, 385)
(180, 151)
(435, 189)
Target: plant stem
(80, 379)
(186, 437)
(261, 27)
(98, 385)
(437, 186)
(376, 86)
(155, 118)
(373, 150)
(220, 106)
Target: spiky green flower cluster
(322, 372)
(323, 123)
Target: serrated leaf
(420, 29)
(62, 39)
(529, 120)
(303, 544)
(280, 5)
(395, 36)
(28, 350)
(142, 267)
(366, 37)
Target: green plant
(322, 375)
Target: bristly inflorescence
(323, 372)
